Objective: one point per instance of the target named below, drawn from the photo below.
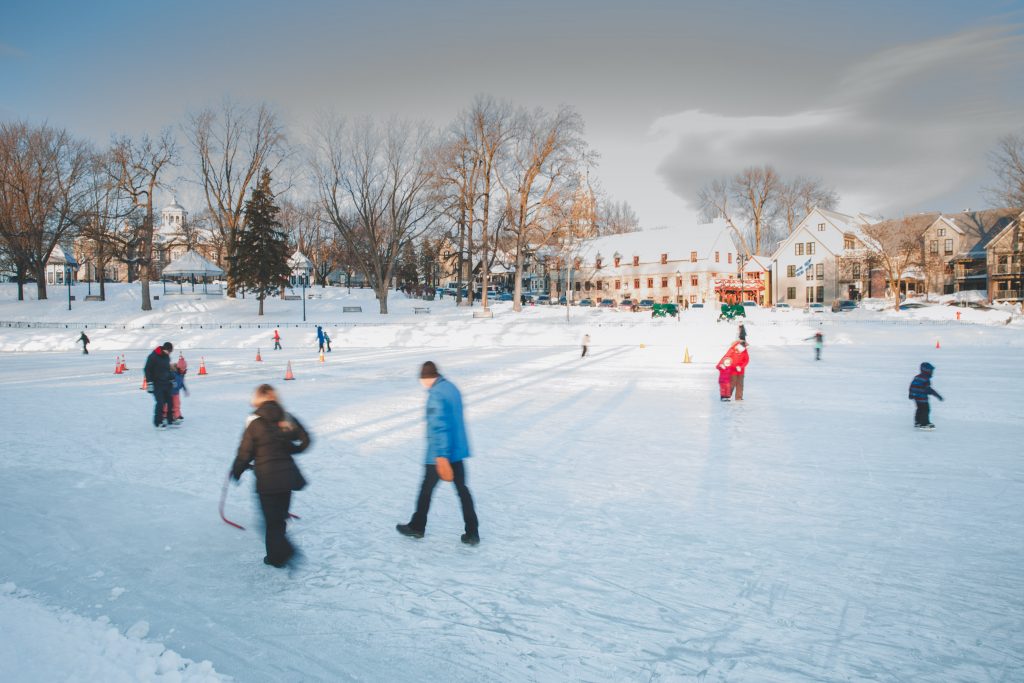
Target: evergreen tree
(407, 271)
(262, 244)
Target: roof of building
(298, 261)
(191, 263)
(977, 228)
(677, 241)
(60, 256)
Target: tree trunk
(20, 271)
(517, 289)
(261, 304)
(41, 282)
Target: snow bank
(42, 644)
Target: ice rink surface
(634, 528)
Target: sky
(895, 104)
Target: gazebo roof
(191, 263)
(298, 261)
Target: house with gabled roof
(1005, 262)
(961, 242)
(822, 260)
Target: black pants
(921, 414)
(275, 516)
(277, 345)
(85, 349)
(430, 479)
(584, 351)
(817, 353)
(162, 396)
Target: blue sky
(896, 104)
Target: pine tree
(262, 244)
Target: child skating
(920, 390)
(725, 378)
(178, 371)
(819, 341)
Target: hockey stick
(224, 497)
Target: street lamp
(67, 276)
(305, 277)
(679, 283)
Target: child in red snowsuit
(178, 371)
(725, 378)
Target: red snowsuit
(738, 359)
(724, 377)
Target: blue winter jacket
(921, 386)
(446, 428)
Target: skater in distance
(920, 390)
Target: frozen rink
(634, 528)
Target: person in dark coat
(447, 447)
(85, 343)
(270, 440)
(920, 390)
(743, 333)
(320, 337)
(160, 381)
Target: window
(693, 257)
(730, 257)
(847, 242)
(578, 285)
(809, 295)
(810, 248)
(693, 280)
(664, 282)
(679, 281)
(810, 273)
(791, 271)
(636, 283)
(650, 283)
(693, 298)
(933, 247)
(942, 232)
(664, 258)
(821, 227)
(820, 271)
(856, 271)
(949, 247)
(798, 249)
(618, 284)
(598, 263)
(636, 260)
(790, 292)
(664, 299)
(821, 294)
(716, 257)
(617, 260)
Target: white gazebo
(301, 267)
(189, 266)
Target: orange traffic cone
(937, 345)
(117, 366)
(259, 359)
(143, 387)
(202, 365)
(321, 356)
(288, 373)
(124, 363)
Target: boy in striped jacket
(920, 390)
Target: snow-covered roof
(61, 257)
(677, 241)
(191, 263)
(298, 261)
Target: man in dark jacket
(271, 438)
(447, 449)
(85, 344)
(160, 381)
(920, 390)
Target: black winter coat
(268, 449)
(158, 368)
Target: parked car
(528, 299)
(750, 304)
(911, 306)
(844, 305)
(561, 300)
(627, 305)
(586, 302)
(645, 304)
(783, 306)
(816, 308)
(505, 296)
(607, 303)
(543, 300)
(696, 305)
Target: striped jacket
(921, 386)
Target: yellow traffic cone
(686, 355)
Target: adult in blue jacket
(446, 439)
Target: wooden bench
(314, 296)
(483, 314)
(351, 309)
(420, 309)
(93, 297)
(292, 297)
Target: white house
(685, 263)
(821, 260)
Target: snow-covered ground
(634, 527)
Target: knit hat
(168, 347)
(429, 370)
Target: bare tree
(895, 247)
(373, 183)
(232, 143)
(716, 202)
(615, 218)
(454, 183)
(1007, 162)
(136, 166)
(799, 197)
(314, 236)
(548, 151)
(105, 229)
(43, 192)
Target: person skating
(740, 360)
(819, 341)
(159, 381)
(725, 378)
(447, 450)
(85, 343)
(920, 390)
(277, 340)
(742, 333)
(271, 438)
(320, 338)
(586, 343)
(178, 371)
(327, 340)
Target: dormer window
(847, 242)
(693, 257)
(618, 259)
(716, 257)
(598, 262)
(636, 260)
(664, 258)
(942, 232)
(821, 227)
